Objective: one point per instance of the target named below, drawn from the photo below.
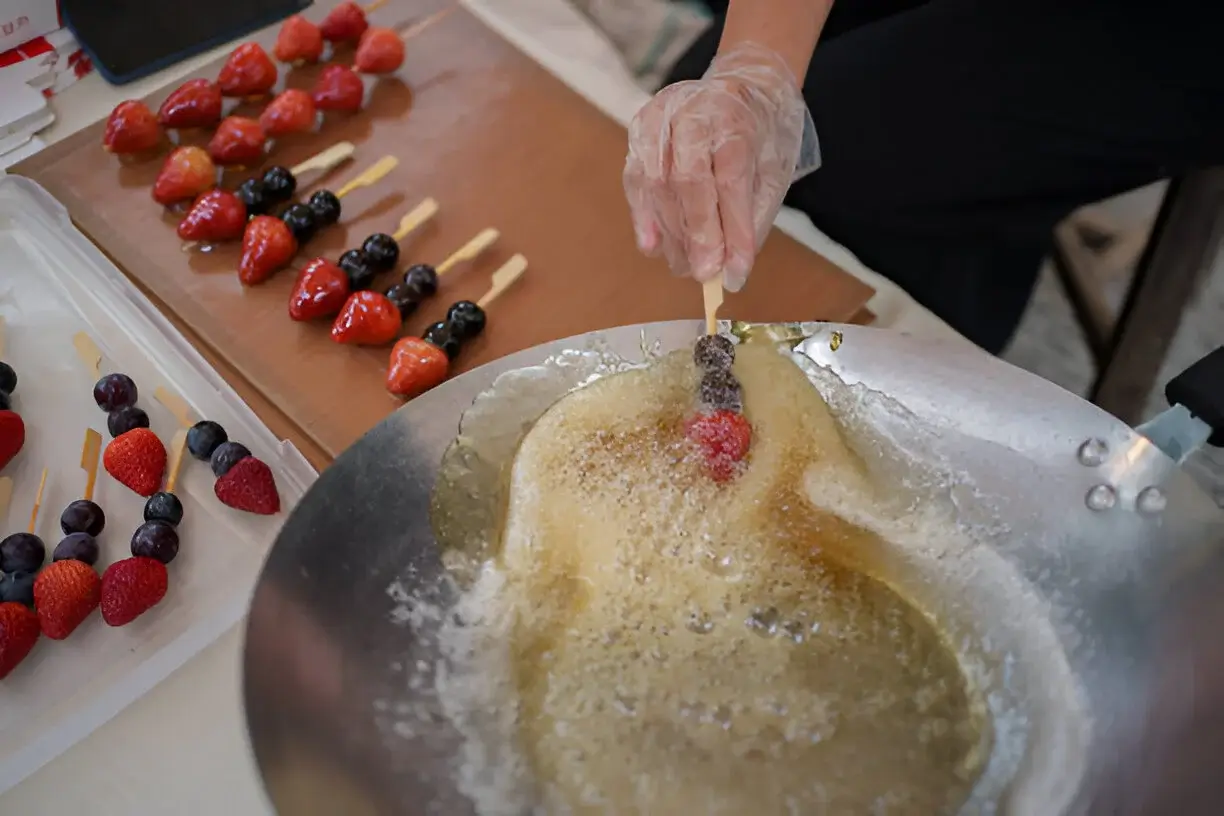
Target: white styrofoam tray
(54, 283)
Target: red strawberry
(292, 111)
(338, 88)
(218, 215)
(367, 319)
(267, 245)
(132, 587)
(131, 128)
(417, 365)
(723, 437)
(299, 40)
(238, 140)
(136, 459)
(249, 486)
(194, 104)
(380, 51)
(188, 171)
(346, 23)
(249, 71)
(12, 436)
(320, 291)
(65, 592)
(18, 633)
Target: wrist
(787, 28)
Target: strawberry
(338, 88)
(249, 486)
(321, 291)
(292, 111)
(238, 140)
(194, 104)
(188, 171)
(367, 319)
(131, 128)
(18, 633)
(417, 365)
(132, 587)
(65, 592)
(267, 245)
(299, 40)
(380, 51)
(346, 23)
(723, 437)
(12, 436)
(249, 71)
(217, 215)
(136, 459)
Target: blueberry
(356, 264)
(714, 351)
(6, 402)
(404, 299)
(721, 391)
(77, 547)
(279, 184)
(466, 319)
(115, 391)
(8, 378)
(440, 335)
(121, 421)
(326, 207)
(17, 587)
(164, 507)
(22, 552)
(422, 279)
(226, 456)
(301, 222)
(382, 251)
(254, 196)
(82, 516)
(155, 539)
(203, 439)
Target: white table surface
(182, 748)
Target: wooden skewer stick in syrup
(712, 295)
(369, 176)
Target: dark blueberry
(6, 402)
(326, 207)
(382, 251)
(226, 456)
(82, 516)
(77, 547)
(254, 196)
(720, 390)
(404, 299)
(422, 279)
(17, 587)
(279, 184)
(125, 419)
(203, 439)
(164, 507)
(155, 539)
(714, 351)
(356, 264)
(115, 391)
(301, 222)
(440, 335)
(466, 319)
(22, 552)
(8, 378)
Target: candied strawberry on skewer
(131, 128)
(338, 88)
(238, 140)
(381, 50)
(249, 71)
(299, 41)
(345, 23)
(291, 111)
(186, 173)
(194, 104)
(322, 287)
(373, 318)
(419, 363)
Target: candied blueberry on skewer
(361, 272)
(382, 250)
(714, 351)
(301, 222)
(326, 207)
(466, 319)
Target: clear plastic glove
(710, 161)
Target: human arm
(789, 28)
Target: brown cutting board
(499, 142)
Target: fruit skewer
(12, 427)
(19, 623)
(418, 364)
(371, 318)
(269, 243)
(83, 520)
(322, 287)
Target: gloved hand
(710, 161)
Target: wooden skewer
(469, 251)
(503, 278)
(175, 404)
(374, 173)
(88, 352)
(42, 485)
(377, 4)
(712, 294)
(6, 495)
(325, 160)
(178, 448)
(419, 26)
(416, 219)
(91, 449)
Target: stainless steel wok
(1099, 585)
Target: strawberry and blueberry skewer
(21, 556)
(12, 427)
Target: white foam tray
(54, 283)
